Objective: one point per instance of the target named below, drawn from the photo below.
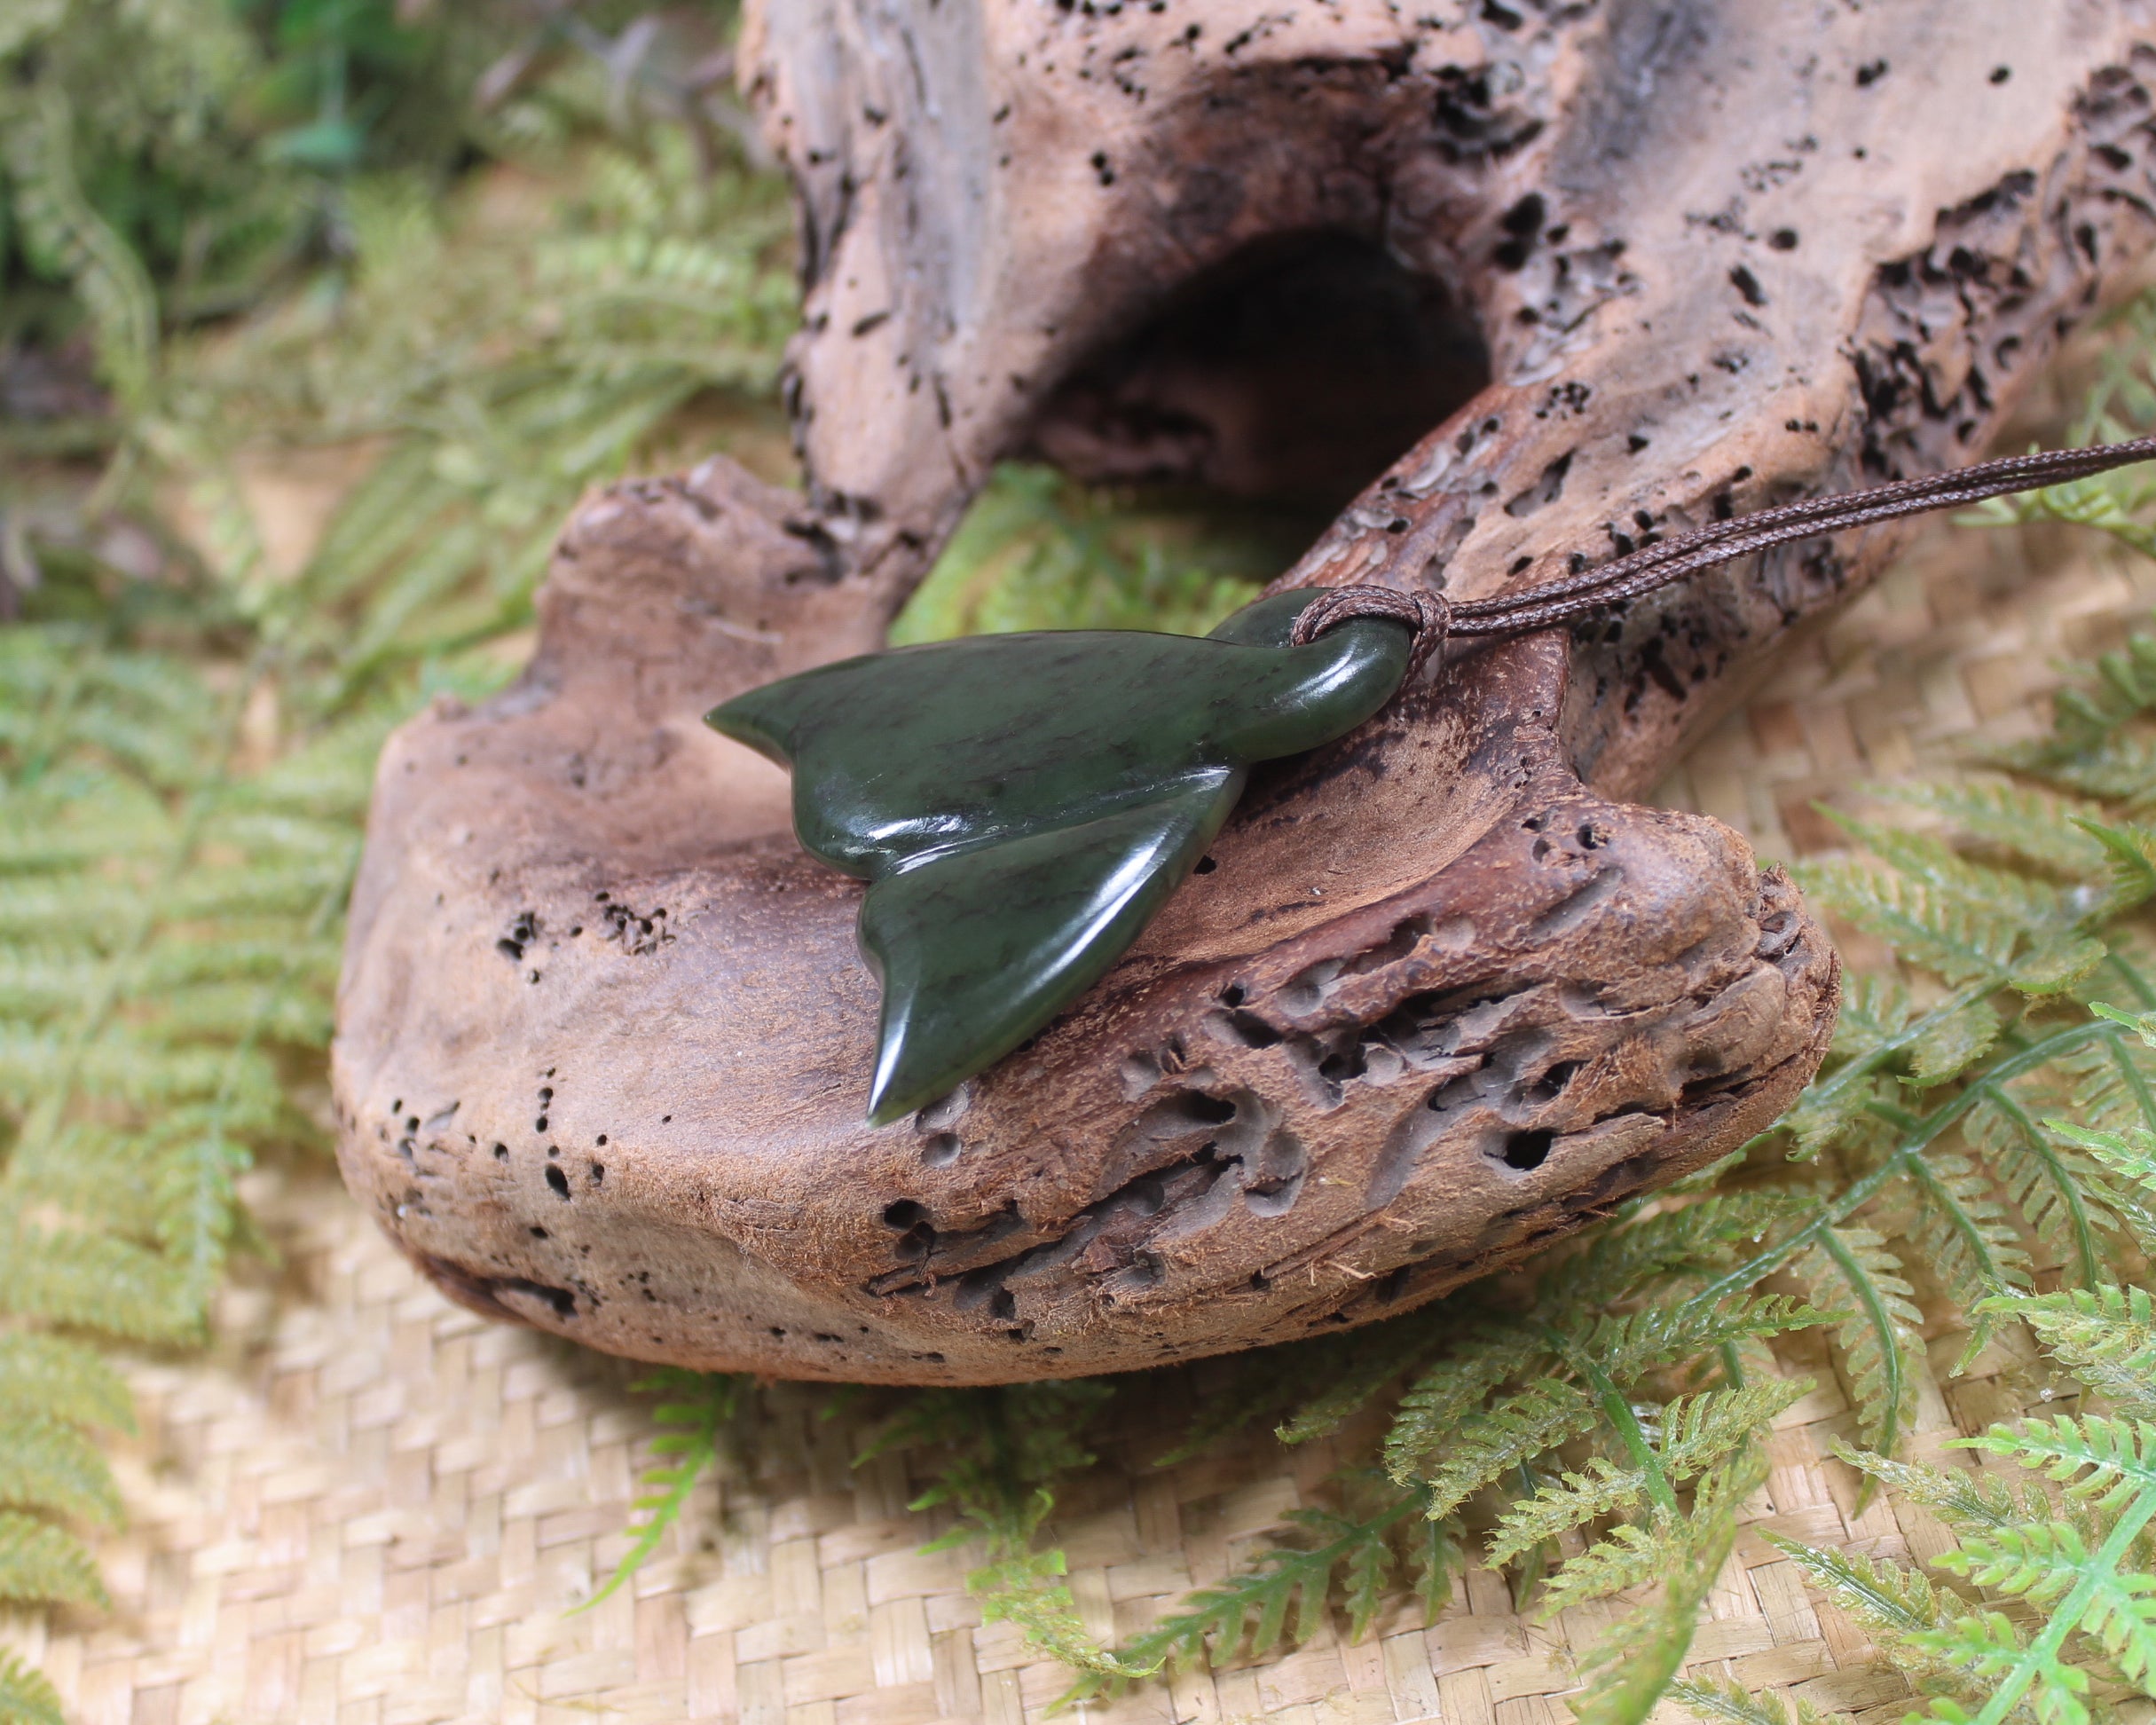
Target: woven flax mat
(368, 1507)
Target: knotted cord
(1548, 603)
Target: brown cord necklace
(1548, 603)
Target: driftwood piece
(1442, 996)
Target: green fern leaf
(691, 1440)
(1434, 1554)
(1489, 1443)
(1889, 1600)
(2104, 1335)
(1730, 1702)
(1631, 1667)
(2103, 1460)
(1966, 1236)
(27, 1698)
(59, 222)
(1964, 941)
(1995, 1654)
(93, 1281)
(2006, 814)
(1628, 1556)
(1952, 1045)
(1880, 1335)
(1958, 1496)
(42, 1375)
(2029, 903)
(2130, 851)
(43, 1564)
(1444, 1396)
(1252, 1611)
(2045, 1182)
(1361, 1366)
(1697, 1432)
(1673, 1244)
(1630, 1345)
(52, 1468)
(2129, 1159)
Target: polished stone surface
(1022, 805)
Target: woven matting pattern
(368, 1507)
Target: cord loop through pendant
(1426, 615)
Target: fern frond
(691, 1435)
(43, 1564)
(2004, 1666)
(1252, 1611)
(1729, 1703)
(1961, 1497)
(1629, 1556)
(2006, 814)
(1880, 1335)
(1360, 1366)
(2130, 1159)
(1891, 1601)
(43, 1376)
(2103, 1460)
(92, 1281)
(1435, 1404)
(1894, 1604)
(60, 223)
(1964, 942)
(1697, 1432)
(2104, 1335)
(27, 1698)
(1965, 1236)
(2045, 1181)
(1490, 1442)
(1630, 1345)
(1434, 1554)
(1677, 1242)
(55, 1470)
(1953, 1044)
(1630, 1668)
(1919, 858)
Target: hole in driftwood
(1290, 372)
(1526, 1150)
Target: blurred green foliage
(1037, 551)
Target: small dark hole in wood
(904, 1214)
(559, 1181)
(1526, 1150)
(1206, 865)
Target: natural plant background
(315, 317)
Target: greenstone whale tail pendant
(1022, 805)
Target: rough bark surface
(1441, 994)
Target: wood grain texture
(1445, 995)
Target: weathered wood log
(1441, 995)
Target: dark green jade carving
(1022, 805)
